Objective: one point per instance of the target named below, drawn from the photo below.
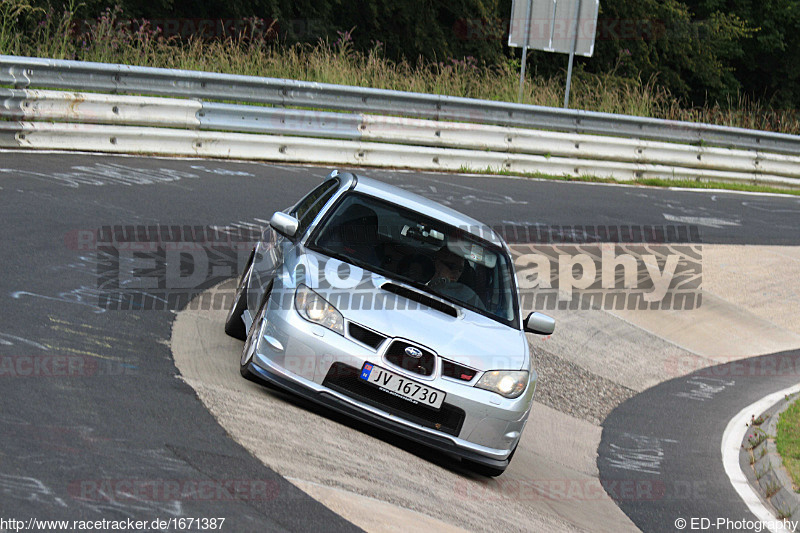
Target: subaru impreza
(395, 310)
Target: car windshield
(402, 244)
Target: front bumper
(296, 355)
(349, 407)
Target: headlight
(315, 308)
(508, 383)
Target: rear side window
(309, 207)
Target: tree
(769, 65)
(661, 38)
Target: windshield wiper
(421, 298)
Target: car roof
(425, 206)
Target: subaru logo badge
(416, 353)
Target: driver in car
(445, 281)
(448, 268)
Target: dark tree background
(704, 51)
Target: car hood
(470, 338)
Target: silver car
(395, 310)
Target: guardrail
(354, 125)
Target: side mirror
(284, 224)
(540, 324)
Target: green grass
(29, 31)
(649, 182)
(729, 186)
(788, 442)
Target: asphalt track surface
(70, 442)
(660, 457)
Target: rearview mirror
(540, 324)
(284, 224)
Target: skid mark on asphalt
(75, 449)
(101, 174)
(6, 339)
(639, 453)
(28, 489)
(441, 191)
(71, 349)
(90, 297)
(222, 171)
(768, 207)
(95, 333)
(702, 389)
(243, 227)
(94, 341)
(709, 222)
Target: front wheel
(234, 326)
(251, 343)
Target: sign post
(572, 57)
(565, 26)
(525, 49)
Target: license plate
(401, 386)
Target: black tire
(234, 325)
(244, 361)
(488, 471)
